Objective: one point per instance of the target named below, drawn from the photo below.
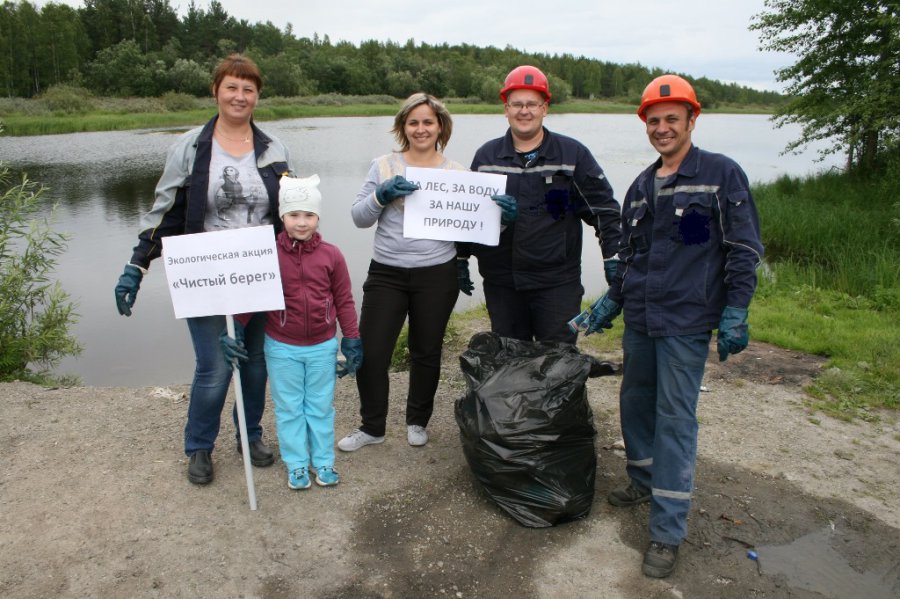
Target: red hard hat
(526, 77)
(667, 88)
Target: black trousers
(426, 296)
(534, 314)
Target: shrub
(68, 99)
(560, 89)
(35, 313)
(178, 101)
(189, 77)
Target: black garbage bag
(527, 428)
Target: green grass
(835, 231)
(38, 117)
(832, 284)
(859, 339)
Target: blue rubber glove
(734, 333)
(603, 311)
(353, 353)
(395, 187)
(234, 349)
(610, 268)
(462, 276)
(127, 288)
(509, 208)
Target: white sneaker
(416, 435)
(358, 439)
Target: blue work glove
(353, 353)
(610, 268)
(234, 349)
(509, 208)
(734, 333)
(395, 187)
(462, 276)
(127, 288)
(603, 311)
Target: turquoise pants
(302, 381)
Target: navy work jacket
(556, 191)
(693, 252)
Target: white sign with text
(453, 205)
(223, 272)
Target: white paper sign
(453, 205)
(223, 272)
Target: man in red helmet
(532, 279)
(688, 265)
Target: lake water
(103, 182)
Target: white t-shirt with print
(236, 196)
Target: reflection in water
(103, 183)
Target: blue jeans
(212, 377)
(661, 379)
(534, 314)
(302, 379)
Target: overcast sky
(698, 37)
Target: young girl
(300, 343)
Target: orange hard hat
(667, 88)
(526, 77)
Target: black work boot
(628, 496)
(260, 454)
(659, 561)
(200, 468)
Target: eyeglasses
(530, 106)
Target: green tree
(123, 70)
(63, 43)
(186, 76)
(203, 31)
(19, 43)
(107, 22)
(560, 90)
(401, 84)
(845, 86)
(35, 312)
(282, 76)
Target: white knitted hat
(299, 194)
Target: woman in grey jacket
(223, 175)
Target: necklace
(245, 140)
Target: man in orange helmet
(532, 279)
(688, 265)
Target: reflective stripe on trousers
(661, 379)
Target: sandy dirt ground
(94, 502)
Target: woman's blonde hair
(440, 111)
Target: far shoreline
(27, 118)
